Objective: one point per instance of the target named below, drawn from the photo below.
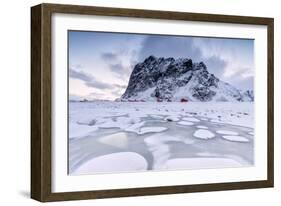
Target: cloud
(88, 79)
(120, 64)
(242, 83)
(117, 67)
(117, 93)
(73, 97)
(108, 56)
(218, 55)
(119, 86)
(80, 75)
(121, 71)
(170, 46)
(98, 85)
(216, 65)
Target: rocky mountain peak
(169, 79)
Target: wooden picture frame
(41, 101)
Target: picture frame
(42, 89)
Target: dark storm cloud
(88, 80)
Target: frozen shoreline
(166, 135)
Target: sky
(100, 63)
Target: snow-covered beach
(108, 137)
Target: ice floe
(203, 134)
(188, 141)
(115, 162)
(145, 130)
(226, 132)
(80, 130)
(201, 127)
(119, 140)
(134, 127)
(186, 123)
(159, 149)
(155, 116)
(235, 138)
(191, 119)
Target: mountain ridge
(169, 79)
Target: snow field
(198, 123)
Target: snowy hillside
(169, 79)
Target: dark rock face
(169, 79)
(249, 95)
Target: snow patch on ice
(235, 138)
(188, 141)
(80, 130)
(145, 130)
(155, 116)
(135, 127)
(201, 127)
(207, 154)
(216, 121)
(226, 132)
(115, 162)
(191, 119)
(185, 123)
(159, 149)
(119, 140)
(203, 134)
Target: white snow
(119, 140)
(191, 119)
(145, 130)
(124, 112)
(251, 133)
(235, 138)
(226, 132)
(200, 163)
(188, 141)
(134, 127)
(203, 134)
(80, 130)
(155, 116)
(115, 162)
(185, 123)
(144, 121)
(160, 150)
(201, 127)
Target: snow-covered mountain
(169, 79)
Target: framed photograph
(130, 102)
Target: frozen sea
(109, 137)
